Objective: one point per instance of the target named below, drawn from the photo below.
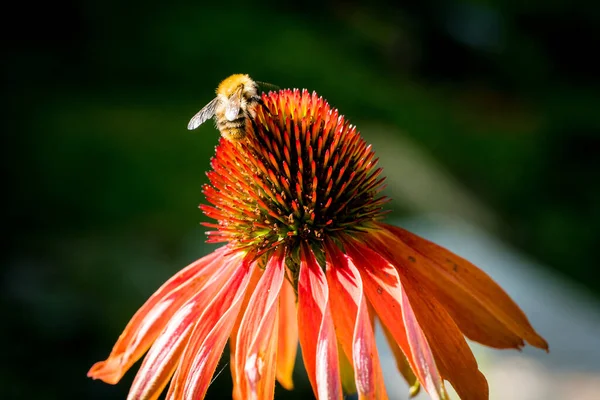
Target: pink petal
(327, 372)
(402, 363)
(352, 323)
(386, 294)
(162, 359)
(199, 359)
(450, 349)
(261, 365)
(237, 375)
(316, 333)
(452, 354)
(257, 336)
(154, 315)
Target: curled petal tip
(107, 371)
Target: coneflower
(306, 258)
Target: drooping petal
(163, 357)
(203, 350)
(260, 366)
(257, 336)
(153, 316)
(452, 355)
(327, 371)
(479, 306)
(386, 294)
(352, 323)
(316, 330)
(402, 363)
(288, 336)
(236, 374)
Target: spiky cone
(307, 259)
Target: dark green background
(102, 178)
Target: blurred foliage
(103, 179)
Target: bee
(233, 108)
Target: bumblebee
(233, 108)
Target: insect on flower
(234, 106)
(307, 259)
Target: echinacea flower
(307, 259)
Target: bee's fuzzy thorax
(230, 84)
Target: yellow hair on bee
(229, 85)
(233, 108)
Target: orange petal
(452, 354)
(386, 294)
(153, 316)
(257, 337)
(352, 323)
(402, 363)
(288, 336)
(163, 357)
(316, 333)
(479, 306)
(199, 359)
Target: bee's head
(236, 84)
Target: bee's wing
(267, 87)
(233, 105)
(207, 112)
